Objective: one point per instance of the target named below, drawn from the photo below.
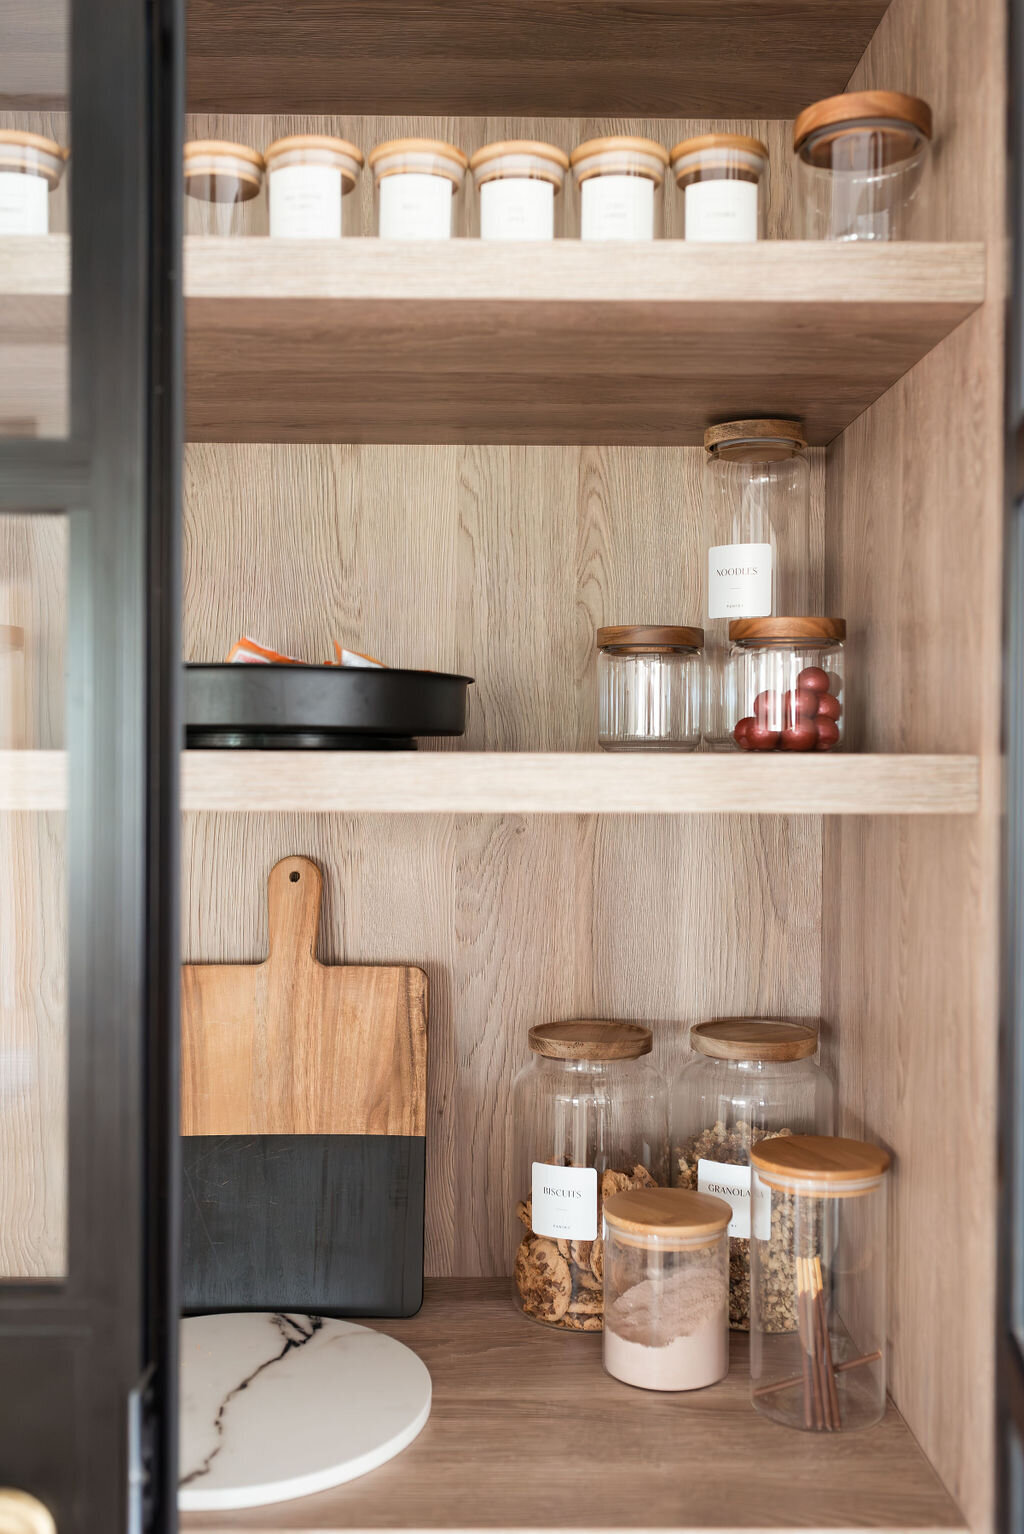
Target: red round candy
(802, 736)
(799, 703)
(828, 734)
(766, 707)
(829, 707)
(814, 678)
(759, 738)
(739, 734)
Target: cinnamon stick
(800, 1379)
(826, 1341)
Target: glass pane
(33, 902)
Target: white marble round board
(276, 1406)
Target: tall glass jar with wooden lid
(861, 160)
(746, 1079)
(590, 1117)
(818, 1282)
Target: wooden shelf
(535, 783)
(528, 1432)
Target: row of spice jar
(772, 1225)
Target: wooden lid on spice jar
(788, 630)
(641, 637)
(675, 1214)
(587, 1039)
(30, 152)
(617, 155)
(821, 1165)
(430, 156)
(541, 161)
(754, 1038)
(717, 151)
(212, 157)
(901, 120)
(322, 149)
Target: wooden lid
(205, 147)
(624, 141)
(650, 636)
(535, 147)
(313, 141)
(820, 1163)
(26, 140)
(667, 1212)
(754, 1038)
(739, 141)
(763, 429)
(436, 146)
(860, 106)
(584, 1039)
(796, 629)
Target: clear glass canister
(757, 495)
(784, 686)
(861, 160)
(519, 185)
(819, 1237)
(591, 1119)
(220, 178)
(30, 168)
(621, 185)
(723, 181)
(666, 1324)
(747, 1079)
(309, 178)
(418, 184)
(650, 687)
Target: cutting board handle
(294, 892)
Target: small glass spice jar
(819, 1230)
(748, 1078)
(785, 683)
(666, 1324)
(650, 682)
(518, 188)
(861, 159)
(723, 179)
(30, 168)
(418, 184)
(621, 181)
(220, 178)
(309, 177)
(591, 1119)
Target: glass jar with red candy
(786, 686)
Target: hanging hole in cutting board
(295, 877)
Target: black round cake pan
(325, 708)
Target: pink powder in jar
(670, 1333)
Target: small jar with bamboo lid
(861, 159)
(819, 1236)
(786, 684)
(650, 680)
(418, 184)
(666, 1287)
(591, 1120)
(620, 181)
(310, 177)
(519, 189)
(221, 178)
(723, 180)
(31, 167)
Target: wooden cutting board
(304, 1117)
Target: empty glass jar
(665, 1289)
(747, 1078)
(784, 683)
(861, 159)
(620, 182)
(418, 183)
(591, 1119)
(309, 178)
(818, 1262)
(30, 168)
(650, 686)
(220, 178)
(519, 186)
(722, 177)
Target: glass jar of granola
(747, 1079)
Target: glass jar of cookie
(591, 1120)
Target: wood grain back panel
(295, 1047)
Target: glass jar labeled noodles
(861, 159)
(620, 182)
(785, 683)
(518, 185)
(665, 1289)
(818, 1264)
(650, 686)
(591, 1120)
(747, 1079)
(30, 168)
(220, 178)
(418, 184)
(722, 178)
(309, 176)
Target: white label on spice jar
(721, 210)
(733, 1184)
(23, 203)
(617, 208)
(415, 206)
(305, 203)
(517, 208)
(761, 1208)
(565, 1202)
(740, 580)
